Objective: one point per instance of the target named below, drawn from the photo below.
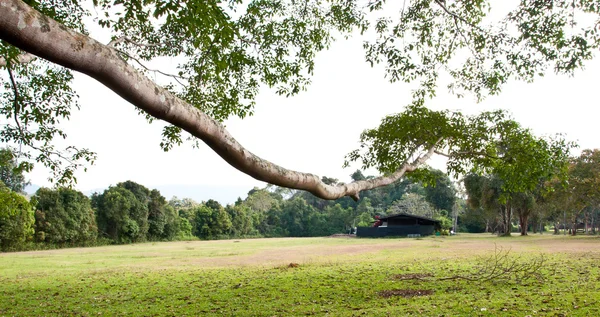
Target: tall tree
(524, 204)
(120, 215)
(64, 216)
(211, 220)
(413, 204)
(583, 185)
(231, 48)
(241, 220)
(16, 220)
(442, 193)
(484, 194)
(489, 143)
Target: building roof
(405, 215)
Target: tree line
(130, 212)
(569, 203)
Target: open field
(306, 276)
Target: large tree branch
(29, 30)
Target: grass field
(308, 276)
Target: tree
(489, 143)
(230, 49)
(264, 210)
(64, 216)
(484, 192)
(442, 195)
(583, 186)
(413, 204)
(120, 215)
(16, 220)
(338, 219)
(212, 221)
(11, 173)
(163, 220)
(524, 203)
(174, 225)
(295, 217)
(241, 220)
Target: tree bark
(524, 214)
(523, 223)
(506, 218)
(34, 33)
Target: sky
(310, 132)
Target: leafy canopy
(227, 50)
(488, 143)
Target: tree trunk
(506, 219)
(32, 32)
(556, 230)
(523, 223)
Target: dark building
(400, 225)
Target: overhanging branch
(20, 26)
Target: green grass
(335, 277)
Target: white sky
(310, 132)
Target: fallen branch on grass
(501, 267)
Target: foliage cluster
(130, 212)
(568, 203)
(227, 50)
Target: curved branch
(29, 30)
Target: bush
(16, 220)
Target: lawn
(433, 276)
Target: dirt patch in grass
(279, 254)
(282, 255)
(568, 244)
(411, 276)
(406, 293)
(342, 235)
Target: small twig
(122, 39)
(456, 19)
(16, 100)
(176, 77)
(456, 16)
(24, 58)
